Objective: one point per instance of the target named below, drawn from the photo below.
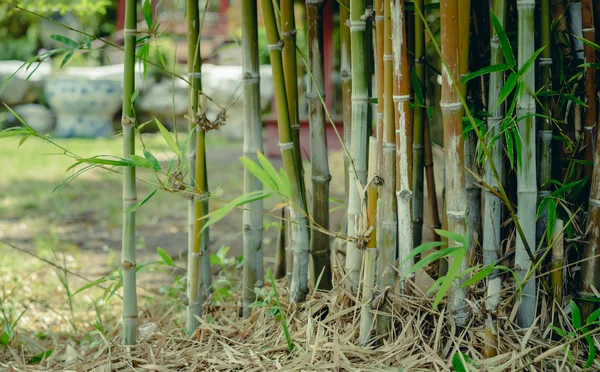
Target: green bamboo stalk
(544, 124)
(492, 205)
(452, 110)
(370, 254)
(128, 122)
(319, 244)
(252, 215)
(526, 171)
(346, 76)
(387, 219)
(195, 293)
(429, 172)
(558, 254)
(401, 78)
(380, 82)
(419, 127)
(473, 190)
(357, 168)
(299, 222)
(589, 124)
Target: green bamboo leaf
(422, 248)
(148, 13)
(67, 58)
(259, 173)
(23, 139)
(138, 205)
(419, 96)
(592, 347)
(13, 132)
(530, 61)
(102, 161)
(168, 138)
(510, 149)
(484, 71)
(575, 315)
(559, 331)
(220, 213)
(91, 284)
(507, 51)
(65, 40)
(431, 258)
(507, 89)
(86, 41)
(587, 42)
(165, 256)
(269, 168)
(574, 99)
(152, 159)
(461, 361)
(518, 145)
(140, 161)
(593, 317)
(449, 278)
(23, 122)
(40, 357)
(482, 274)
(462, 240)
(542, 207)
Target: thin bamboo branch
(319, 243)
(252, 215)
(128, 122)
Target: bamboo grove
(507, 87)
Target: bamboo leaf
(140, 161)
(148, 13)
(462, 240)
(65, 40)
(449, 278)
(220, 213)
(166, 257)
(419, 96)
(461, 361)
(530, 61)
(91, 284)
(67, 58)
(431, 258)
(40, 357)
(86, 41)
(592, 347)
(13, 132)
(593, 317)
(422, 248)
(23, 139)
(259, 173)
(484, 71)
(152, 159)
(507, 51)
(138, 205)
(23, 122)
(575, 315)
(482, 274)
(507, 89)
(510, 149)
(168, 138)
(269, 168)
(102, 161)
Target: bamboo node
(289, 34)
(204, 124)
(194, 74)
(452, 106)
(250, 79)
(379, 300)
(277, 46)
(127, 121)
(315, 2)
(404, 194)
(369, 14)
(360, 99)
(545, 61)
(129, 31)
(402, 98)
(379, 18)
(594, 202)
(357, 25)
(589, 29)
(126, 264)
(388, 57)
(286, 146)
(378, 180)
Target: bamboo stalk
(319, 244)
(128, 122)
(590, 267)
(370, 254)
(346, 76)
(429, 172)
(299, 230)
(419, 114)
(589, 124)
(358, 149)
(558, 253)
(401, 77)
(544, 124)
(387, 225)
(252, 215)
(526, 171)
(194, 291)
(456, 198)
(492, 207)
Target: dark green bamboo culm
(128, 121)
(418, 126)
(299, 229)
(252, 215)
(319, 241)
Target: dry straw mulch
(324, 331)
